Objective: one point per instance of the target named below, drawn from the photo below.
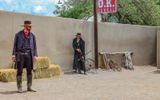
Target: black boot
(79, 71)
(75, 71)
(29, 84)
(31, 90)
(19, 84)
(85, 73)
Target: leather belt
(24, 53)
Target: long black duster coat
(78, 45)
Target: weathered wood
(158, 49)
(117, 60)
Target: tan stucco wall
(54, 38)
(139, 39)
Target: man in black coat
(79, 54)
(24, 54)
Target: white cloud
(42, 1)
(39, 8)
(42, 7)
(7, 1)
(46, 1)
(1, 9)
(56, 1)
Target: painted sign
(106, 6)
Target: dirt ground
(141, 84)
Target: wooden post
(95, 34)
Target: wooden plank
(158, 49)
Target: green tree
(77, 9)
(142, 12)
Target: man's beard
(28, 30)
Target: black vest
(26, 43)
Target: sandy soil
(141, 84)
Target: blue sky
(40, 7)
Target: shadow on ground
(10, 92)
(156, 71)
(74, 73)
(69, 72)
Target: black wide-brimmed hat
(27, 22)
(78, 34)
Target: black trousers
(81, 65)
(25, 61)
(78, 63)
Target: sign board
(106, 6)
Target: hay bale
(42, 62)
(41, 73)
(42, 67)
(55, 70)
(9, 75)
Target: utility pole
(95, 34)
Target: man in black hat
(24, 53)
(79, 54)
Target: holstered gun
(14, 65)
(81, 57)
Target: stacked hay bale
(9, 75)
(55, 70)
(42, 69)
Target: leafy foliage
(77, 9)
(142, 12)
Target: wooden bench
(116, 60)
